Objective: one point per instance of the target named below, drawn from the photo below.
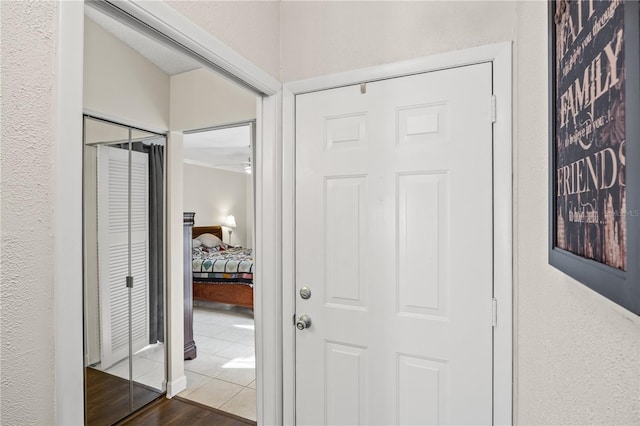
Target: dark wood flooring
(180, 412)
(107, 397)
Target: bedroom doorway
(218, 194)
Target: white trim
(67, 233)
(220, 127)
(177, 386)
(69, 398)
(175, 264)
(268, 258)
(500, 55)
(122, 120)
(166, 20)
(451, 59)
(503, 388)
(288, 257)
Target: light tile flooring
(223, 374)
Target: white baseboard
(177, 386)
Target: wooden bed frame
(233, 294)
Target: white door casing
(394, 238)
(113, 252)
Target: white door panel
(113, 251)
(394, 239)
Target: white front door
(394, 240)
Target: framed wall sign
(594, 146)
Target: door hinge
(494, 312)
(493, 109)
(129, 282)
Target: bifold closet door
(123, 252)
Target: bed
(224, 276)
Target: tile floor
(223, 374)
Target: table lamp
(230, 223)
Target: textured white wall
(327, 37)
(577, 354)
(26, 304)
(214, 194)
(201, 98)
(251, 28)
(121, 84)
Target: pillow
(209, 240)
(196, 243)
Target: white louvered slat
(113, 248)
(140, 300)
(118, 297)
(118, 194)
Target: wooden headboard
(215, 230)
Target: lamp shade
(230, 222)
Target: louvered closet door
(113, 252)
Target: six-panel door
(394, 239)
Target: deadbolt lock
(305, 292)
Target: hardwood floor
(179, 412)
(108, 404)
(107, 397)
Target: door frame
(68, 267)
(499, 55)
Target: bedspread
(227, 265)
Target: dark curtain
(156, 242)
(155, 154)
